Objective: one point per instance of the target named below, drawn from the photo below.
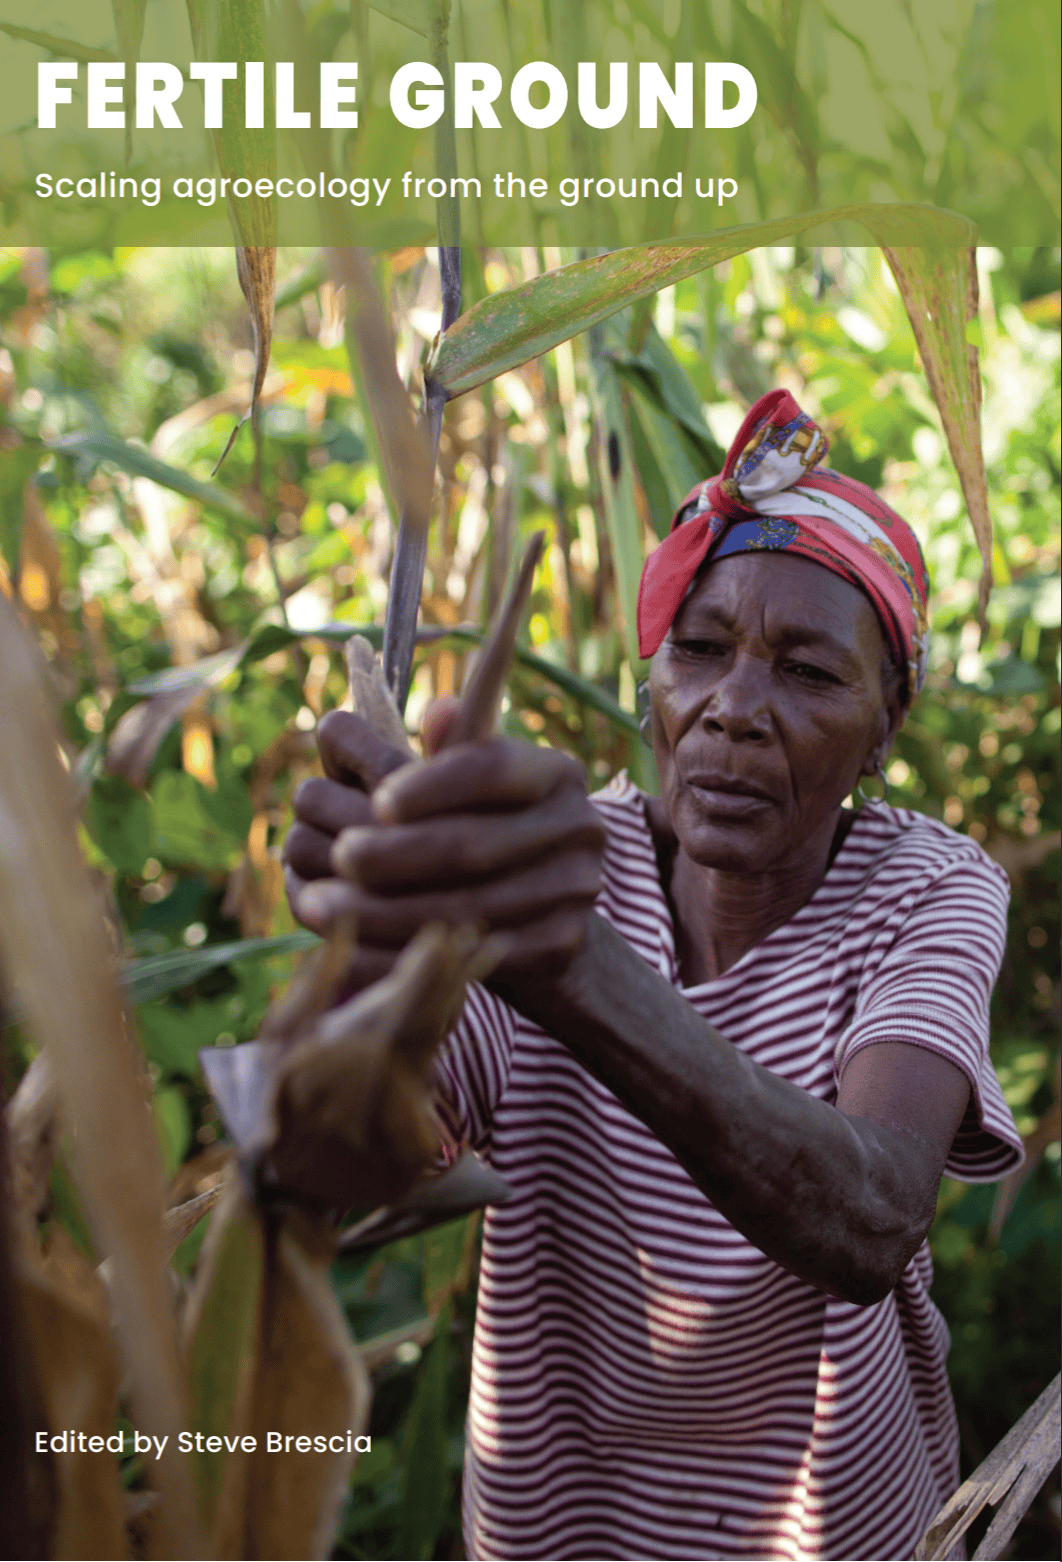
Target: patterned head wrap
(773, 494)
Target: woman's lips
(728, 795)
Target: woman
(739, 1034)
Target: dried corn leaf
(181, 1221)
(440, 1197)
(269, 1352)
(33, 1133)
(139, 733)
(237, 30)
(65, 1312)
(371, 697)
(221, 1328)
(354, 1103)
(256, 267)
(401, 439)
(55, 951)
(310, 1380)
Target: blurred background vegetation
(191, 627)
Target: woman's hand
(500, 833)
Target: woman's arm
(840, 1195)
(503, 832)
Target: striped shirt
(645, 1382)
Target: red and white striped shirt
(645, 1382)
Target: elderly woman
(739, 1034)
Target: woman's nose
(739, 704)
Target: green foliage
(144, 586)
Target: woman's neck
(719, 916)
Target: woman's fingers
(320, 905)
(308, 851)
(442, 853)
(437, 721)
(352, 753)
(330, 806)
(511, 901)
(500, 773)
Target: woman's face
(767, 703)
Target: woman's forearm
(841, 1201)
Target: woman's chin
(740, 841)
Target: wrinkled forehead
(784, 592)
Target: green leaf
(139, 463)
(510, 328)
(780, 92)
(65, 48)
(444, 1254)
(16, 468)
(118, 818)
(308, 280)
(206, 673)
(678, 471)
(159, 974)
(173, 1124)
(939, 291)
(415, 14)
(665, 379)
(426, 1472)
(654, 485)
(275, 637)
(171, 1037)
(129, 26)
(237, 30)
(190, 826)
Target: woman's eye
(810, 673)
(701, 647)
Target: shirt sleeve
(472, 1070)
(930, 983)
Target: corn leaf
(222, 1325)
(309, 1377)
(780, 91)
(236, 30)
(308, 280)
(677, 470)
(65, 48)
(156, 975)
(668, 384)
(212, 670)
(509, 328)
(97, 447)
(256, 266)
(939, 291)
(66, 1318)
(415, 14)
(55, 950)
(426, 1474)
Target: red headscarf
(772, 494)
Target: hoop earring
(641, 696)
(880, 773)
